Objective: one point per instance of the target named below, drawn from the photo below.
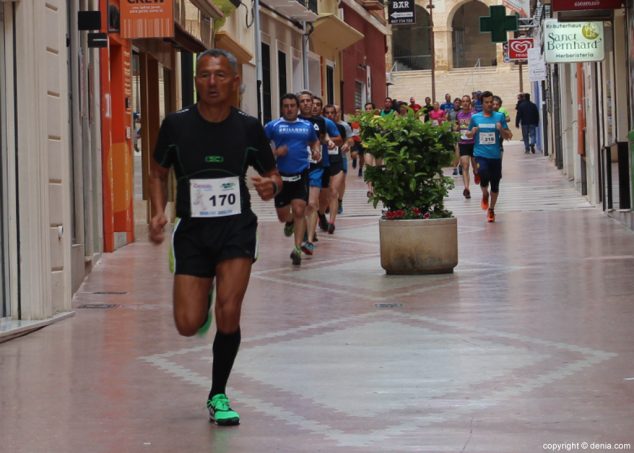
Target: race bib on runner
(215, 197)
(487, 138)
(434, 123)
(333, 151)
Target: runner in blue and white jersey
(488, 128)
(294, 141)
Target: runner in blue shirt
(487, 129)
(295, 142)
(447, 106)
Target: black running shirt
(199, 149)
(320, 128)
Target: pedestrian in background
(528, 118)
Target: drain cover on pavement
(101, 306)
(388, 305)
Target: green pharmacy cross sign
(498, 23)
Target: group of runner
(300, 160)
(310, 142)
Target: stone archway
(411, 48)
(469, 45)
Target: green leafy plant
(409, 180)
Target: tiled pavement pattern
(528, 342)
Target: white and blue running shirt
(297, 136)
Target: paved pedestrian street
(527, 347)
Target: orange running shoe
(490, 216)
(484, 204)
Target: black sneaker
(331, 228)
(533, 149)
(289, 227)
(296, 256)
(323, 222)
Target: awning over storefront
(330, 35)
(226, 42)
(184, 40)
(292, 9)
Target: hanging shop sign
(401, 12)
(518, 48)
(581, 5)
(536, 65)
(147, 19)
(573, 42)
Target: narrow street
(529, 342)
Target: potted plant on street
(417, 234)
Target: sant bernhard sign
(573, 42)
(401, 12)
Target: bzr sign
(401, 12)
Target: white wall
(43, 158)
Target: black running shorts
(466, 149)
(335, 168)
(294, 187)
(199, 244)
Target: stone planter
(420, 246)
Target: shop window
(330, 84)
(281, 72)
(359, 91)
(266, 83)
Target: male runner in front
(210, 145)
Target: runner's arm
(158, 200)
(268, 184)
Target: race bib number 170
(215, 197)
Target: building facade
(38, 217)
(588, 115)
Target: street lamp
(431, 7)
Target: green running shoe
(202, 330)
(220, 411)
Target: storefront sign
(579, 5)
(147, 18)
(573, 42)
(536, 65)
(401, 12)
(518, 48)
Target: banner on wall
(536, 65)
(147, 20)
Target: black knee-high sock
(225, 350)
